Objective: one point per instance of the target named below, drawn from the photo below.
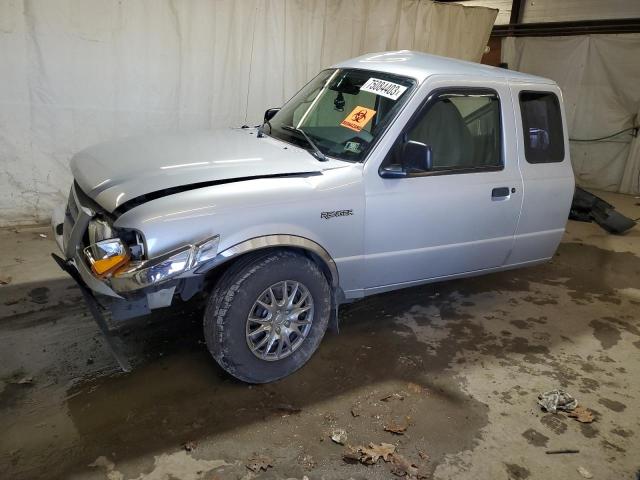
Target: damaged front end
(111, 266)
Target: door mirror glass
(270, 113)
(417, 157)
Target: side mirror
(392, 171)
(270, 113)
(417, 156)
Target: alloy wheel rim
(279, 320)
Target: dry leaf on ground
(581, 414)
(403, 467)
(415, 388)
(352, 454)
(368, 455)
(372, 453)
(259, 462)
(397, 426)
(5, 279)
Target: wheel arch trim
(281, 240)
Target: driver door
(460, 215)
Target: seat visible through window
(463, 131)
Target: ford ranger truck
(386, 171)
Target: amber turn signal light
(106, 256)
(108, 265)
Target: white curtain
(77, 72)
(600, 80)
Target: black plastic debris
(586, 207)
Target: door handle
(500, 192)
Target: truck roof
(420, 65)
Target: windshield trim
(406, 99)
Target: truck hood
(115, 172)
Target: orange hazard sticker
(358, 118)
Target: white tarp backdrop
(77, 72)
(600, 80)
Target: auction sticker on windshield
(382, 87)
(358, 118)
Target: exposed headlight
(107, 256)
(136, 275)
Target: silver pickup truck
(385, 171)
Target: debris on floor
(584, 472)
(189, 446)
(42, 235)
(587, 207)
(369, 455)
(403, 467)
(415, 388)
(581, 414)
(28, 380)
(562, 450)
(398, 427)
(400, 465)
(5, 280)
(392, 396)
(558, 399)
(339, 436)
(307, 461)
(285, 409)
(259, 462)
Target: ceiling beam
(583, 27)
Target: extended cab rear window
(542, 127)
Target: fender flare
(281, 240)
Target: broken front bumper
(96, 312)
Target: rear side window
(542, 127)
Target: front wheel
(267, 315)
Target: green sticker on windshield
(354, 147)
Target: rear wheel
(267, 315)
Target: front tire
(267, 315)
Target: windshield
(342, 112)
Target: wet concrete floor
(458, 363)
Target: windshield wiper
(317, 153)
